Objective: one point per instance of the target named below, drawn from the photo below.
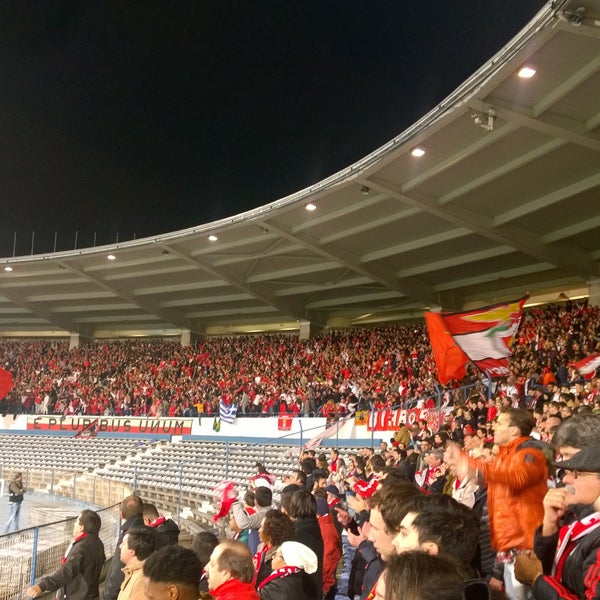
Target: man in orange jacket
(517, 484)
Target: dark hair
(174, 564)
(302, 504)
(377, 462)
(308, 465)
(150, 511)
(520, 418)
(579, 431)
(278, 527)
(263, 496)
(141, 541)
(132, 506)
(452, 526)
(301, 475)
(249, 498)
(419, 575)
(235, 558)
(203, 544)
(90, 521)
(391, 501)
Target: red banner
(284, 422)
(390, 420)
(112, 425)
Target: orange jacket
(517, 484)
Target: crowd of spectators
(331, 374)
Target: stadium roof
(505, 199)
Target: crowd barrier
(31, 553)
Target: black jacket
(114, 575)
(169, 532)
(297, 586)
(308, 533)
(580, 571)
(78, 578)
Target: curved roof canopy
(505, 199)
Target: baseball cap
(587, 459)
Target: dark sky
(140, 117)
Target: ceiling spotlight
(264, 230)
(310, 207)
(111, 257)
(212, 238)
(526, 72)
(8, 268)
(417, 152)
(165, 252)
(485, 120)
(364, 190)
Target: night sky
(137, 118)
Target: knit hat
(296, 554)
(333, 490)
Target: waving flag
(450, 360)
(486, 334)
(227, 412)
(6, 382)
(587, 367)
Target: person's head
(434, 458)
(582, 476)
(137, 544)
(580, 431)
(302, 505)
(471, 440)
(172, 573)
(295, 554)
(132, 506)
(334, 453)
(425, 445)
(19, 476)
(263, 496)
(296, 477)
(150, 513)
(203, 543)
(438, 524)
(88, 522)
(320, 481)
(276, 528)
(511, 424)
(417, 575)
(229, 560)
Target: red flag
(450, 360)
(486, 334)
(284, 422)
(587, 367)
(6, 382)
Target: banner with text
(390, 420)
(135, 425)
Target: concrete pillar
(74, 341)
(186, 337)
(594, 299)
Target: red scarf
(283, 572)
(70, 546)
(259, 559)
(568, 537)
(158, 521)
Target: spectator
(230, 572)
(136, 547)
(78, 577)
(172, 573)
(166, 528)
(16, 491)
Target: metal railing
(31, 553)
